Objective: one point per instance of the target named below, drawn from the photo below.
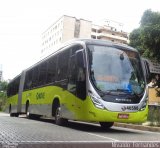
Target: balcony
(107, 35)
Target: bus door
(76, 79)
(72, 82)
(81, 75)
(79, 79)
(21, 86)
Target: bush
(3, 98)
(154, 115)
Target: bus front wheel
(106, 125)
(58, 119)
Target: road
(22, 132)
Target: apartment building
(110, 30)
(68, 27)
(62, 30)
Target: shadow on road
(87, 127)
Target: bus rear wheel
(10, 111)
(27, 110)
(12, 114)
(58, 119)
(106, 125)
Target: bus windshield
(115, 70)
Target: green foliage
(135, 38)
(154, 115)
(3, 86)
(150, 18)
(3, 96)
(146, 38)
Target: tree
(135, 40)
(3, 89)
(146, 38)
(3, 86)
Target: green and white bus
(85, 80)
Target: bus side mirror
(146, 70)
(80, 59)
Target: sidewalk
(138, 127)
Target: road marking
(136, 130)
(102, 136)
(62, 141)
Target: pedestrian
(157, 81)
(152, 83)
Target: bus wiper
(103, 93)
(108, 92)
(120, 91)
(124, 90)
(129, 92)
(116, 91)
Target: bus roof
(82, 41)
(103, 42)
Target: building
(64, 29)
(110, 30)
(68, 27)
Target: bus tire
(10, 111)
(106, 125)
(58, 119)
(16, 114)
(27, 110)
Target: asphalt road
(22, 132)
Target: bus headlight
(145, 102)
(96, 101)
(143, 106)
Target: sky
(22, 23)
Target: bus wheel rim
(58, 116)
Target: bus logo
(40, 95)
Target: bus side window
(28, 80)
(42, 73)
(35, 77)
(51, 73)
(13, 87)
(62, 71)
(72, 75)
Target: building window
(93, 30)
(93, 36)
(99, 31)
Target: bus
(85, 80)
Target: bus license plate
(123, 116)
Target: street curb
(138, 127)
(4, 114)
